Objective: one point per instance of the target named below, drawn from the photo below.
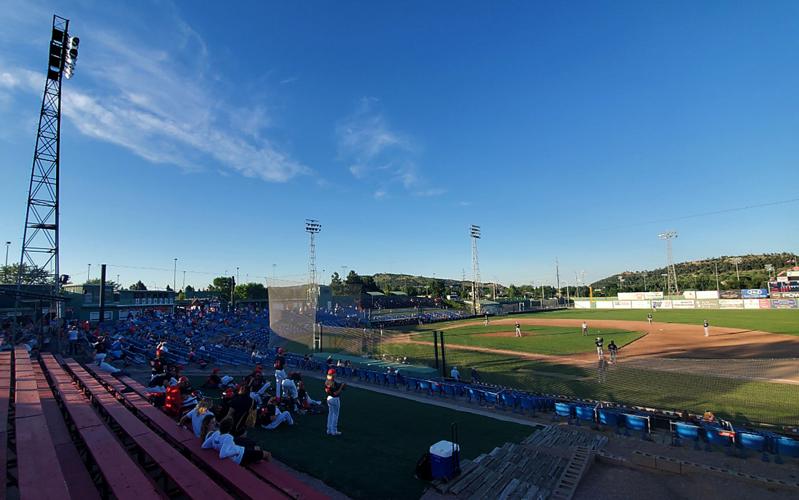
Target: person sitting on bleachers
(197, 417)
(273, 417)
(240, 407)
(708, 417)
(455, 374)
(99, 350)
(224, 441)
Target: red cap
(229, 392)
(280, 350)
(331, 372)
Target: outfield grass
(767, 320)
(552, 340)
(774, 320)
(383, 437)
(735, 399)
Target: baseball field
(746, 370)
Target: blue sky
(209, 133)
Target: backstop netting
(292, 316)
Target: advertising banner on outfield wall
(604, 304)
(730, 294)
(757, 304)
(661, 304)
(731, 303)
(785, 295)
(622, 304)
(707, 294)
(683, 304)
(641, 304)
(783, 304)
(754, 293)
(689, 294)
(707, 304)
(582, 304)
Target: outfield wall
(689, 304)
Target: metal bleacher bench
(261, 480)
(39, 473)
(187, 477)
(124, 479)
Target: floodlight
(312, 226)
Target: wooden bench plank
(80, 483)
(183, 473)
(243, 481)
(123, 476)
(39, 471)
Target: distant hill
(701, 274)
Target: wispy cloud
(378, 154)
(162, 104)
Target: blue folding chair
(584, 413)
(563, 410)
(475, 395)
(640, 423)
(609, 418)
(682, 430)
(508, 400)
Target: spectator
(99, 350)
(708, 417)
(73, 341)
(242, 411)
(475, 376)
(197, 417)
(455, 374)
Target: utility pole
(175, 276)
(89, 273)
(557, 276)
(716, 270)
(671, 272)
(736, 261)
(184, 281)
(8, 243)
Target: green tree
(437, 288)
(31, 275)
(513, 292)
(354, 279)
(336, 285)
(221, 284)
(189, 289)
(250, 291)
(138, 286)
(96, 281)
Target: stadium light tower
(40, 237)
(475, 233)
(312, 227)
(671, 272)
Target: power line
(706, 214)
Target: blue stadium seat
(508, 400)
(609, 418)
(563, 410)
(474, 395)
(584, 413)
(638, 423)
(787, 447)
(682, 430)
(528, 404)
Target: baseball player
(649, 318)
(518, 330)
(485, 321)
(585, 328)
(706, 326)
(613, 349)
(599, 352)
(280, 372)
(333, 390)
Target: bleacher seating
(81, 433)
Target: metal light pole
(736, 261)
(8, 243)
(89, 273)
(716, 270)
(184, 281)
(175, 275)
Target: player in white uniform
(706, 326)
(585, 328)
(518, 330)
